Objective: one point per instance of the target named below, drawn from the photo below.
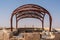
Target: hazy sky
(7, 7)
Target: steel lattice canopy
(30, 11)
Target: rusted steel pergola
(31, 11)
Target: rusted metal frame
(16, 22)
(29, 9)
(25, 17)
(50, 20)
(50, 24)
(11, 20)
(43, 22)
(38, 13)
(30, 6)
(27, 6)
(31, 16)
(11, 24)
(44, 10)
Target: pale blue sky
(7, 7)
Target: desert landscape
(42, 15)
(34, 34)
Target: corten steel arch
(30, 11)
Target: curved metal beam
(31, 7)
(30, 16)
